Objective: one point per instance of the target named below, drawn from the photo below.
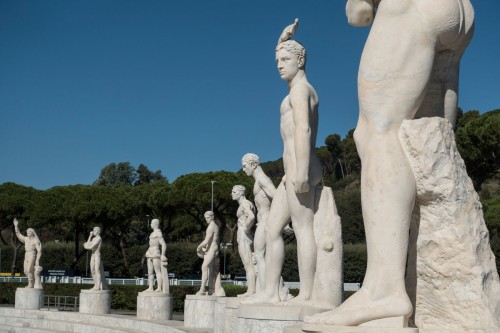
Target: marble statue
(94, 244)
(409, 69)
(246, 220)
(208, 250)
(156, 259)
(295, 196)
(263, 191)
(33, 252)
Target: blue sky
(182, 86)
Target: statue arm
(18, 233)
(89, 244)
(250, 216)
(299, 100)
(163, 245)
(38, 247)
(208, 237)
(267, 186)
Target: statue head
(250, 162)
(290, 54)
(209, 216)
(155, 223)
(237, 192)
(360, 13)
(30, 232)
(97, 231)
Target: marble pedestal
(226, 313)
(271, 318)
(199, 311)
(386, 325)
(95, 301)
(154, 306)
(29, 298)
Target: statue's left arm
(299, 100)
(250, 216)
(163, 245)
(38, 247)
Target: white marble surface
(199, 311)
(28, 298)
(30, 321)
(154, 305)
(314, 328)
(271, 318)
(95, 301)
(452, 277)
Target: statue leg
(151, 274)
(244, 243)
(29, 269)
(204, 275)
(95, 271)
(259, 245)
(157, 270)
(392, 81)
(279, 216)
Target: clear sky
(182, 86)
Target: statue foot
(158, 290)
(149, 289)
(298, 301)
(247, 294)
(362, 307)
(201, 293)
(261, 298)
(95, 288)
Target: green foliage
(478, 141)
(234, 290)
(355, 260)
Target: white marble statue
(246, 220)
(295, 196)
(94, 244)
(33, 252)
(208, 250)
(409, 69)
(263, 191)
(156, 259)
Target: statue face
(29, 233)
(96, 231)
(288, 64)
(209, 218)
(155, 223)
(249, 168)
(235, 194)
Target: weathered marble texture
(271, 318)
(312, 328)
(29, 298)
(199, 311)
(153, 305)
(452, 278)
(226, 312)
(95, 301)
(328, 278)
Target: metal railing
(61, 303)
(144, 282)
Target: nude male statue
(156, 258)
(33, 252)
(263, 191)
(409, 69)
(246, 220)
(209, 251)
(295, 196)
(96, 266)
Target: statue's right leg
(279, 216)
(29, 269)
(393, 78)
(204, 275)
(259, 246)
(151, 274)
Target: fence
(60, 303)
(143, 282)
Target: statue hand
(164, 259)
(288, 230)
(301, 186)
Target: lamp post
(212, 205)
(223, 247)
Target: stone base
(313, 328)
(29, 298)
(384, 325)
(271, 318)
(95, 301)
(226, 314)
(199, 311)
(153, 305)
